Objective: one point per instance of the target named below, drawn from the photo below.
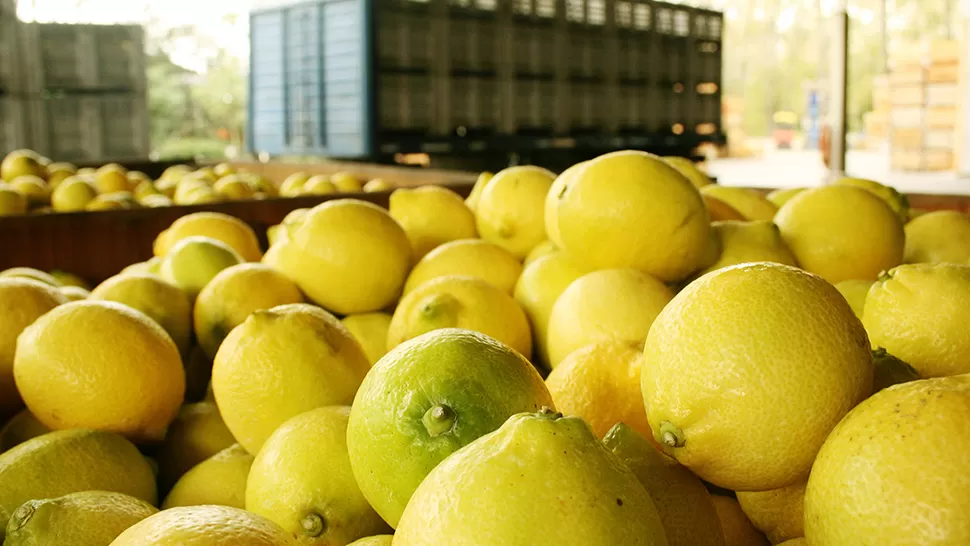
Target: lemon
(751, 204)
(683, 503)
(73, 194)
(461, 302)
(57, 172)
(377, 185)
(12, 202)
(511, 209)
(719, 211)
(302, 480)
(472, 258)
(206, 173)
(795, 542)
(234, 294)
(551, 204)
(69, 279)
(261, 185)
(100, 365)
(842, 233)
(601, 384)
(73, 293)
(496, 491)
(194, 261)
(110, 180)
(632, 210)
(855, 293)
(918, 313)
(231, 231)
(748, 369)
(20, 163)
(293, 184)
(106, 201)
(192, 191)
(370, 330)
(23, 301)
(476, 193)
(195, 435)
(890, 371)
(941, 236)
(70, 461)
(896, 201)
(744, 242)
(432, 216)
(541, 284)
(34, 188)
(544, 248)
(280, 363)
(176, 171)
(205, 526)
(318, 185)
(349, 256)
(152, 265)
(20, 428)
(223, 169)
(379, 540)
(426, 399)
(687, 168)
(156, 201)
(219, 480)
(782, 196)
(609, 305)
(30, 273)
(233, 186)
(779, 514)
(161, 301)
(737, 528)
(346, 183)
(895, 470)
(85, 518)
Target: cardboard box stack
(876, 123)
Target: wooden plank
(943, 73)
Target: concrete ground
(796, 168)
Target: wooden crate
(913, 95)
(945, 51)
(924, 161)
(943, 73)
(942, 117)
(908, 77)
(876, 124)
(401, 177)
(942, 94)
(907, 140)
(909, 117)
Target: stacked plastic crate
(83, 91)
(13, 126)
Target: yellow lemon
(541, 284)
(551, 205)
(687, 168)
(870, 482)
(630, 209)
(472, 258)
(222, 227)
(719, 211)
(461, 302)
(746, 398)
(21, 163)
(432, 216)
(744, 242)
(544, 248)
(234, 294)
(22, 427)
(205, 526)
(152, 265)
(378, 185)
(163, 302)
(293, 184)
(107, 201)
(601, 384)
(348, 256)
(370, 330)
(379, 540)
(748, 202)
(194, 261)
(855, 293)
(780, 197)
(896, 201)
(737, 528)
(195, 435)
(511, 209)
(779, 514)
(302, 480)
(609, 305)
(476, 193)
(12, 202)
(68, 461)
(155, 201)
(30, 273)
(223, 169)
(23, 301)
(69, 279)
(34, 188)
(233, 187)
(346, 183)
(318, 185)
(842, 233)
(918, 313)
(57, 172)
(100, 365)
(110, 180)
(188, 186)
(683, 503)
(941, 236)
(890, 371)
(280, 363)
(72, 195)
(88, 517)
(795, 542)
(219, 480)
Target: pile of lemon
(623, 354)
(31, 183)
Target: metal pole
(839, 78)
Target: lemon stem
(671, 436)
(549, 413)
(439, 420)
(21, 516)
(313, 525)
